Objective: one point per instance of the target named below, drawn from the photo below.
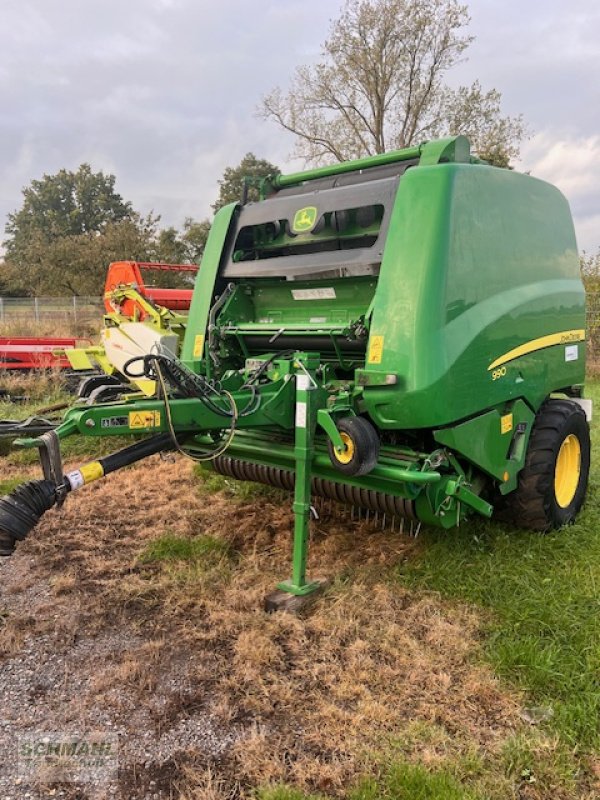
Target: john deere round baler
(404, 333)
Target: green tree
(181, 247)
(231, 185)
(380, 86)
(70, 226)
(77, 264)
(590, 271)
(186, 246)
(65, 204)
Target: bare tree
(379, 86)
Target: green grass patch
(210, 482)
(188, 564)
(544, 630)
(8, 485)
(543, 595)
(399, 781)
(404, 781)
(170, 547)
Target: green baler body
(435, 296)
(477, 262)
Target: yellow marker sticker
(198, 345)
(375, 350)
(92, 471)
(506, 423)
(144, 419)
(304, 219)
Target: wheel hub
(567, 470)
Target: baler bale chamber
(404, 333)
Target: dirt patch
(204, 690)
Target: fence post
(36, 309)
(1, 309)
(75, 308)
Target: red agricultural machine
(37, 352)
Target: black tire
(535, 503)
(362, 447)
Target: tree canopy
(73, 224)
(76, 264)
(66, 204)
(231, 185)
(380, 86)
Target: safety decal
(571, 352)
(375, 349)
(114, 422)
(144, 419)
(198, 345)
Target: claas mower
(404, 333)
(139, 319)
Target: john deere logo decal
(304, 219)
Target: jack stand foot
(280, 600)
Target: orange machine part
(129, 273)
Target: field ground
(453, 666)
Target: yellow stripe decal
(563, 337)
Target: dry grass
(62, 325)
(310, 698)
(39, 386)
(13, 632)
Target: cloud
(573, 165)
(163, 93)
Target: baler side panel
(459, 236)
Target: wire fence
(19, 315)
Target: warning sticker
(571, 352)
(144, 419)
(198, 345)
(506, 423)
(375, 349)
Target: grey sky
(163, 92)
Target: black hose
(135, 452)
(21, 510)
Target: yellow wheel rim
(345, 456)
(567, 471)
